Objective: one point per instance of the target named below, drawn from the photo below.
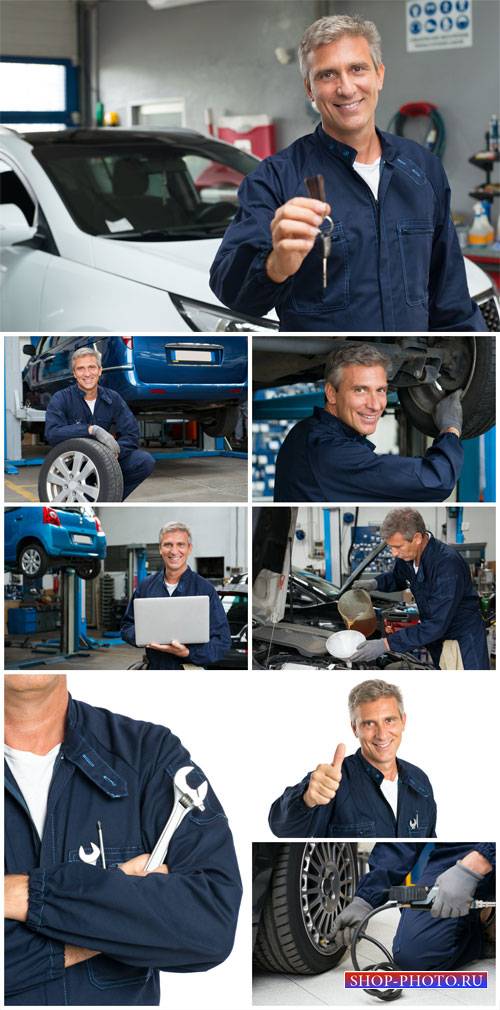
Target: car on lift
(40, 538)
(423, 369)
(203, 380)
(115, 230)
(291, 625)
(299, 890)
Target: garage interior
(326, 546)
(61, 621)
(190, 464)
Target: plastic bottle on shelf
(481, 233)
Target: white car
(115, 230)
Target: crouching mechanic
(88, 410)
(451, 626)
(450, 934)
(87, 934)
(177, 579)
(370, 793)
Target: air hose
(406, 896)
(435, 140)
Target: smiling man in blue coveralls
(92, 934)
(177, 579)
(327, 457)
(87, 410)
(371, 793)
(395, 261)
(447, 602)
(448, 936)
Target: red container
(255, 134)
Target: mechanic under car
(451, 625)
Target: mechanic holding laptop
(177, 579)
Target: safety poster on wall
(438, 24)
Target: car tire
(84, 463)
(222, 422)
(478, 402)
(88, 570)
(32, 560)
(311, 884)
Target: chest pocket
(113, 854)
(362, 828)
(415, 246)
(308, 294)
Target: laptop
(165, 618)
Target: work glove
(457, 887)
(448, 412)
(104, 436)
(368, 584)
(346, 922)
(367, 652)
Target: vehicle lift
(16, 413)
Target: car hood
(272, 548)
(176, 267)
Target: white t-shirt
(370, 173)
(91, 404)
(171, 586)
(390, 791)
(33, 774)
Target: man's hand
(136, 867)
(175, 648)
(457, 887)
(368, 652)
(101, 435)
(369, 584)
(73, 955)
(346, 922)
(16, 896)
(294, 229)
(448, 413)
(325, 780)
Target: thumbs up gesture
(325, 780)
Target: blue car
(40, 537)
(202, 379)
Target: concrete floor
(328, 989)
(116, 657)
(213, 479)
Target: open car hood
(273, 532)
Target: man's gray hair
(84, 352)
(372, 690)
(172, 526)
(353, 354)
(405, 521)
(331, 29)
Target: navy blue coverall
(119, 771)
(421, 942)
(69, 416)
(323, 459)
(360, 809)
(447, 602)
(395, 262)
(189, 584)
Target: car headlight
(214, 319)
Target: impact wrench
(186, 798)
(419, 897)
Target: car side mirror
(14, 227)
(29, 350)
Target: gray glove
(367, 652)
(347, 921)
(448, 412)
(457, 887)
(368, 584)
(103, 436)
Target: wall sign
(438, 24)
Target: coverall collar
(185, 575)
(404, 775)
(76, 749)
(102, 393)
(348, 154)
(323, 415)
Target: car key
(315, 185)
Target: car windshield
(316, 580)
(161, 191)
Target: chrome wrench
(186, 798)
